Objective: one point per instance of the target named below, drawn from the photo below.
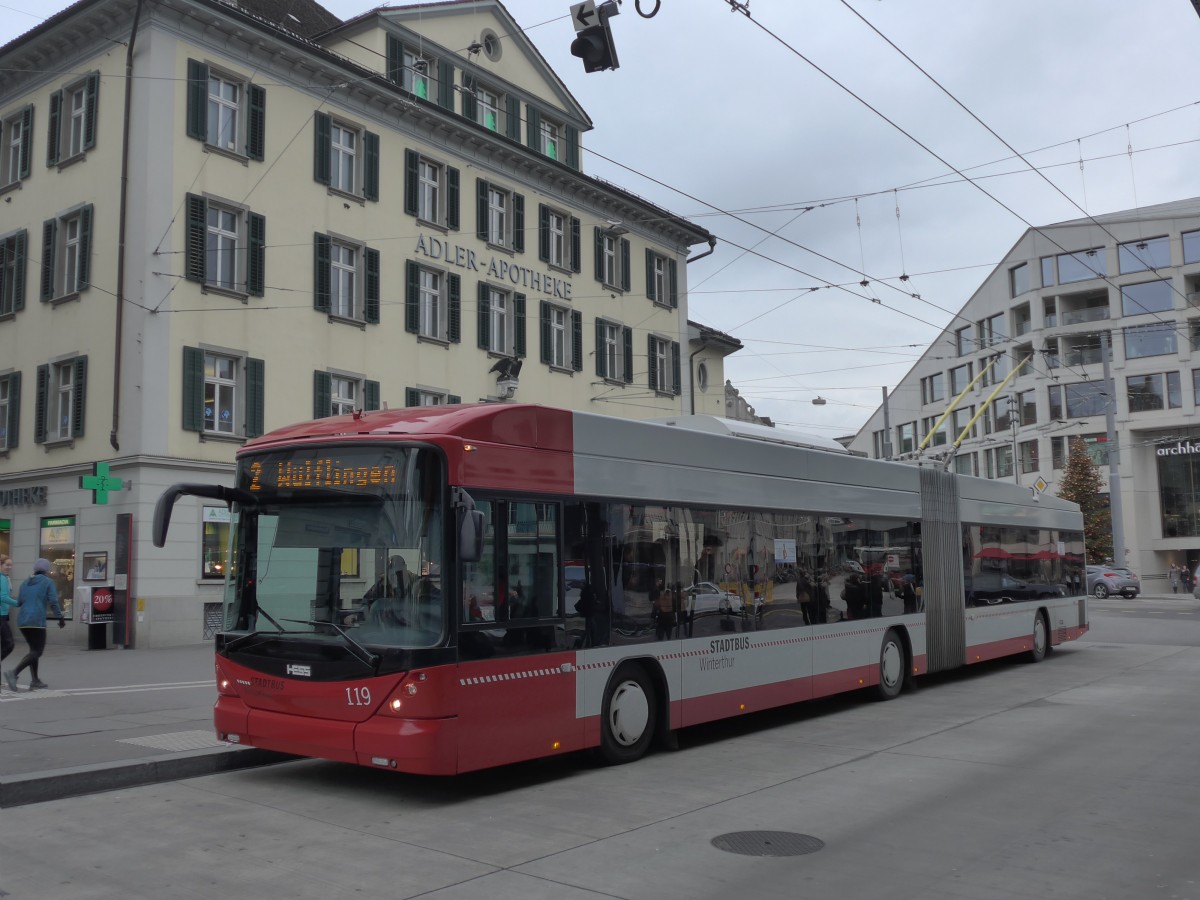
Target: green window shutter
(256, 255)
(371, 258)
(672, 269)
(256, 121)
(18, 245)
(452, 198)
(193, 389)
(395, 60)
(194, 243)
(91, 88)
(255, 396)
(49, 242)
(481, 209)
(576, 340)
(321, 272)
(14, 411)
(543, 232)
(650, 274)
(484, 317)
(572, 154)
(533, 128)
(446, 84)
(469, 104)
(677, 387)
(651, 341)
(599, 248)
(412, 397)
(601, 361)
(624, 262)
(39, 420)
(412, 297)
(513, 117)
(322, 395)
(52, 128)
(322, 148)
(197, 100)
(519, 325)
(411, 183)
(26, 141)
(454, 316)
(518, 223)
(576, 246)
(79, 396)
(546, 334)
(628, 360)
(84, 270)
(371, 166)
(370, 395)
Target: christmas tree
(1082, 483)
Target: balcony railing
(1092, 314)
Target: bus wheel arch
(894, 656)
(1040, 643)
(630, 714)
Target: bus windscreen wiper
(245, 638)
(366, 656)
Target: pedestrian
(1174, 576)
(37, 594)
(6, 600)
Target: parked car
(1105, 580)
(988, 588)
(705, 596)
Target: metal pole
(887, 428)
(1114, 457)
(1012, 416)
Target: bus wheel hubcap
(628, 713)
(889, 663)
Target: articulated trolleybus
(442, 589)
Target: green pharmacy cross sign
(100, 483)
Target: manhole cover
(767, 843)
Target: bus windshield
(339, 542)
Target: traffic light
(594, 44)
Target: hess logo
(297, 669)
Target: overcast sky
(718, 117)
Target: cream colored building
(225, 219)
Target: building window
(226, 111)
(907, 437)
(551, 138)
(419, 74)
(500, 216)
(663, 356)
(12, 273)
(61, 400)
(966, 464)
(1196, 386)
(558, 239)
(999, 462)
(562, 337)
(10, 410)
(933, 388)
(57, 543)
(430, 190)
(1150, 340)
(428, 397)
(16, 133)
(958, 421)
(222, 393)
(72, 129)
(1081, 265)
(614, 351)
(612, 260)
(991, 330)
(963, 344)
(661, 285)
(936, 438)
(1144, 255)
(346, 279)
(66, 253)
(1027, 407)
(1050, 312)
(432, 304)
(501, 321)
(340, 394)
(214, 543)
(551, 142)
(1027, 456)
(1147, 297)
(1018, 280)
(960, 377)
(1191, 246)
(1077, 401)
(225, 247)
(1147, 393)
(346, 158)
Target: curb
(78, 781)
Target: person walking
(6, 600)
(1174, 576)
(37, 594)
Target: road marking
(178, 741)
(26, 694)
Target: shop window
(56, 542)
(214, 543)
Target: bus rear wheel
(629, 716)
(893, 664)
(1037, 651)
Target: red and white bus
(398, 594)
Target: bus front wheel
(1037, 651)
(628, 717)
(893, 663)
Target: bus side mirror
(162, 509)
(470, 535)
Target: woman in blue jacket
(6, 600)
(37, 594)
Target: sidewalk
(111, 719)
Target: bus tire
(629, 715)
(1041, 638)
(893, 665)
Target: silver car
(1105, 580)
